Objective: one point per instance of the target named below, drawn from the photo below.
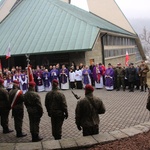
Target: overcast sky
(135, 8)
(130, 8)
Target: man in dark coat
(87, 112)
(4, 108)
(16, 100)
(35, 111)
(131, 76)
(56, 105)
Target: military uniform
(87, 113)
(35, 111)
(56, 105)
(143, 70)
(120, 75)
(17, 109)
(4, 108)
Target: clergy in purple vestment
(97, 73)
(16, 76)
(39, 78)
(23, 79)
(46, 78)
(64, 77)
(109, 76)
(86, 76)
(98, 76)
(54, 74)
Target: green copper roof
(50, 26)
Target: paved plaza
(123, 109)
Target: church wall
(77, 58)
(95, 54)
(120, 59)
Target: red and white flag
(8, 54)
(30, 74)
(127, 59)
(0, 65)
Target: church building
(58, 31)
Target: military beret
(16, 82)
(55, 81)
(1, 81)
(32, 83)
(89, 88)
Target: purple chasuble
(46, 79)
(39, 78)
(53, 74)
(109, 75)
(63, 75)
(86, 74)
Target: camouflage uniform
(56, 105)
(35, 111)
(17, 110)
(86, 114)
(120, 75)
(143, 70)
(4, 109)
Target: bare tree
(145, 39)
(145, 36)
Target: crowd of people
(20, 87)
(77, 77)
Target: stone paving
(124, 109)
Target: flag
(8, 54)
(127, 59)
(30, 74)
(0, 65)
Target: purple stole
(46, 79)
(9, 83)
(63, 75)
(23, 78)
(16, 77)
(86, 74)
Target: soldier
(131, 76)
(56, 105)
(87, 111)
(120, 75)
(4, 107)
(16, 100)
(143, 70)
(35, 111)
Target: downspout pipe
(102, 43)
